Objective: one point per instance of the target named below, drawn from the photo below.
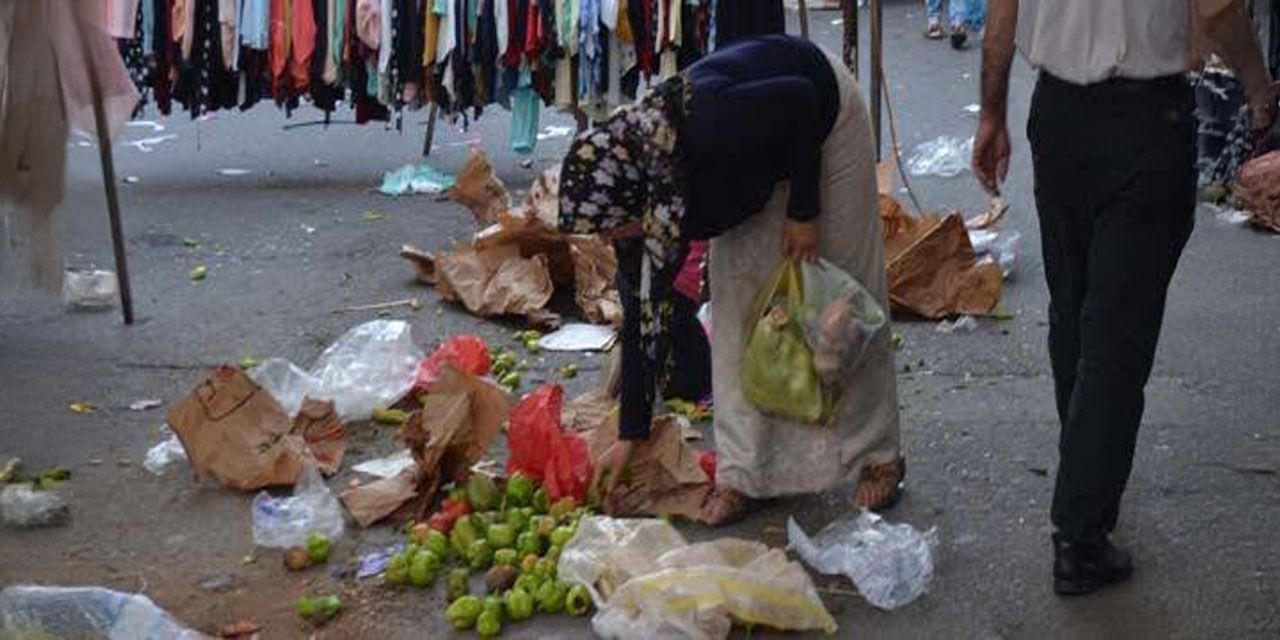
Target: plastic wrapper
(370, 367)
(83, 289)
(410, 179)
(778, 374)
(287, 521)
(164, 453)
(543, 450)
(1000, 247)
(840, 318)
(464, 352)
(86, 612)
(944, 156)
(647, 582)
(891, 564)
(23, 506)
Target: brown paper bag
(317, 422)
(236, 433)
(663, 476)
(1258, 190)
(495, 281)
(594, 268)
(938, 275)
(372, 502)
(479, 189)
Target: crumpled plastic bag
(778, 374)
(369, 367)
(944, 156)
(164, 453)
(86, 612)
(647, 582)
(463, 352)
(541, 449)
(891, 564)
(22, 505)
(409, 179)
(840, 318)
(90, 289)
(287, 521)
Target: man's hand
(1264, 104)
(991, 153)
(609, 468)
(800, 240)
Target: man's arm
(1227, 26)
(991, 147)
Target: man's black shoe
(1081, 568)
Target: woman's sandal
(880, 486)
(723, 506)
(935, 31)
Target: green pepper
(516, 518)
(545, 569)
(423, 569)
(458, 584)
(528, 583)
(308, 606)
(553, 553)
(398, 569)
(330, 605)
(318, 548)
(560, 536)
(480, 555)
(493, 603)
(501, 535)
(411, 550)
(520, 490)
(562, 507)
(319, 609)
(505, 557)
(437, 543)
(529, 543)
(463, 612)
(518, 604)
(551, 596)
(546, 525)
(528, 563)
(578, 601)
(463, 535)
(488, 624)
(541, 501)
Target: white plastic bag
(165, 453)
(647, 582)
(86, 612)
(840, 318)
(287, 383)
(369, 367)
(90, 289)
(22, 505)
(891, 564)
(944, 156)
(286, 522)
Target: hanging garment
(302, 43)
(589, 58)
(255, 24)
(386, 45)
(524, 114)
(122, 19)
(228, 20)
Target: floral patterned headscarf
(626, 170)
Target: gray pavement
(287, 244)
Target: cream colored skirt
(763, 456)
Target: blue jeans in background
(970, 13)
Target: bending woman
(765, 139)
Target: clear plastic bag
(22, 505)
(891, 564)
(164, 453)
(286, 522)
(90, 289)
(840, 318)
(86, 612)
(287, 383)
(649, 583)
(944, 156)
(778, 375)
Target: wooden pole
(877, 58)
(108, 173)
(804, 19)
(849, 10)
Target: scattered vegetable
(551, 596)
(578, 601)
(318, 547)
(463, 612)
(458, 587)
(482, 493)
(390, 416)
(517, 604)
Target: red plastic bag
(544, 451)
(465, 352)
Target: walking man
(1113, 149)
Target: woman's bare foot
(880, 486)
(723, 506)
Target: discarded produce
(463, 612)
(296, 559)
(318, 548)
(394, 417)
(319, 609)
(199, 273)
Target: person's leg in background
(933, 28)
(976, 17)
(958, 15)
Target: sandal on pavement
(880, 486)
(959, 36)
(934, 31)
(723, 506)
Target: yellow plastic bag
(778, 374)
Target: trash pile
(28, 503)
(891, 564)
(519, 258)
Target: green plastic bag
(778, 375)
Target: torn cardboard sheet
(932, 268)
(369, 503)
(665, 477)
(478, 188)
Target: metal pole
(849, 9)
(877, 46)
(431, 129)
(804, 20)
(108, 174)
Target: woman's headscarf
(627, 170)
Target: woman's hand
(800, 240)
(609, 467)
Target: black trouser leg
(1115, 191)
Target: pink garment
(369, 23)
(689, 280)
(227, 18)
(122, 17)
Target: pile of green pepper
(514, 535)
